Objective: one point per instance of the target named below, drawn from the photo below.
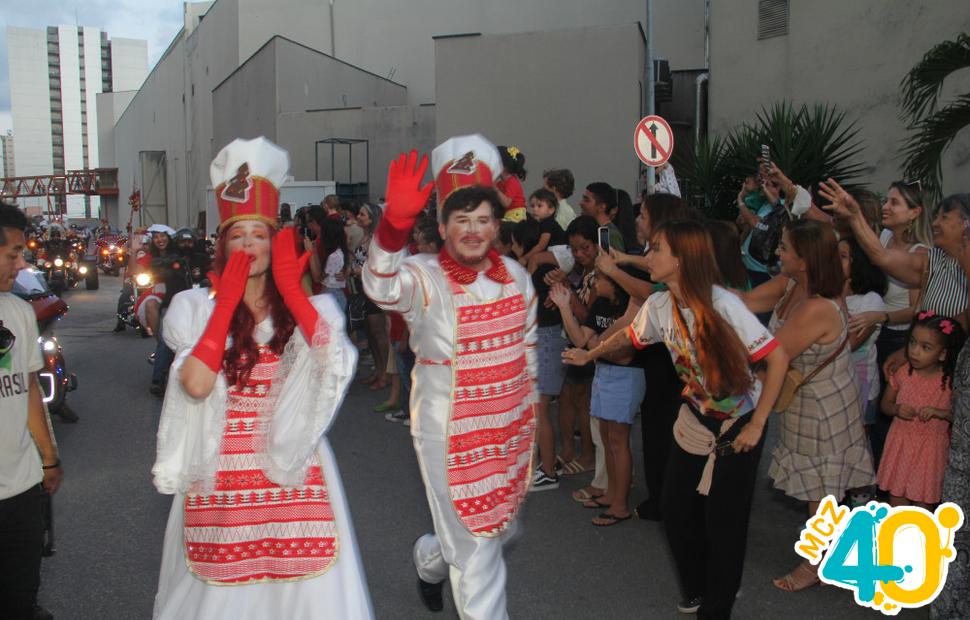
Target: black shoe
(156, 389)
(119, 326)
(430, 594)
(67, 414)
(42, 614)
(689, 605)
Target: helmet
(184, 233)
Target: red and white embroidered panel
(251, 529)
(491, 431)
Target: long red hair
(722, 356)
(241, 357)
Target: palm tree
(934, 128)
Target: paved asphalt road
(110, 520)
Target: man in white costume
(259, 526)
(472, 319)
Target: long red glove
(405, 200)
(288, 274)
(229, 288)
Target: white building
(55, 76)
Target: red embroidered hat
(246, 175)
(464, 161)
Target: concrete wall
(853, 54)
(129, 63)
(389, 130)
(574, 105)
(295, 96)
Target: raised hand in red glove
(229, 289)
(405, 200)
(288, 274)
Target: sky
(156, 21)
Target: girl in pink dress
(918, 398)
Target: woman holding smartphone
(719, 433)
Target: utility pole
(649, 79)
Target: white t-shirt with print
(655, 323)
(19, 459)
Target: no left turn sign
(653, 141)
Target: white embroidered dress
(289, 426)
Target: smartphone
(765, 156)
(604, 237)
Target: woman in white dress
(259, 526)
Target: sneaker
(543, 482)
(398, 416)
(156, 389)
(430, 594)
(689, 605)
(386, 408)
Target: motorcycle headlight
(82, 270)
(112, 247)
(58, 262)
(49, 346)
(104, 252)
(143, 279)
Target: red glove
(229, 292)
(405, 200)
(288, 274)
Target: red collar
(464, 275)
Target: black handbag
(767, 234)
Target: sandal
(379, 384)
(606, 519)
(801, 578)
(582, 495)
(574, 467)
(597, 503)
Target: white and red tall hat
(464, 161)
(246, 175)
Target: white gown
(312, 383)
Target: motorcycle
(111, 254)
(65, 271)
(140, 285)
(55, 381)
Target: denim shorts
(617, 392)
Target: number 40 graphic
(881, 552)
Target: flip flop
(574, 467)
(582, 495)
(595, 503)
(610, 519)
(801, 578)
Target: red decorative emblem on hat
(238, 187)
(465, 165)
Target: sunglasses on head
(7, 340)
(914, 184)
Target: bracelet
(54, 466)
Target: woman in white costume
(259, 526)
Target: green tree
(933, 127)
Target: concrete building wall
(574, 105)
(389, 130)
(71, 96)
(129, 63)
(246, 100)
(159, 126)
(853, 54)
(303, 21)
(30, 100)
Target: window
(772, 18)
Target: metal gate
(154, 198)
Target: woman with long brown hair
(823, 449)
(719, 433)
(259, 525)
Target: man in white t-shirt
(28, 454)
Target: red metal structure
(95, 182)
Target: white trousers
(474, 564)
